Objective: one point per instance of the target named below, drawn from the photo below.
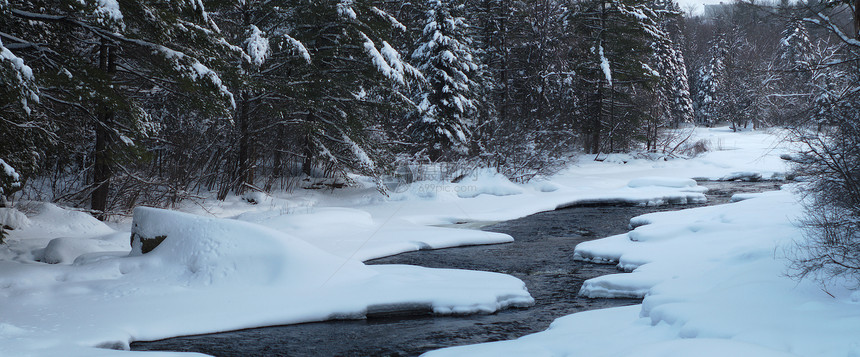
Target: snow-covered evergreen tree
(97, 61)
(24, 130)
(526, 126)
(795, 47)
(617, 35)
(793, 70)
(10, 182)
(262, 120)
(448, 105)
(674, 103)
(355, 77)
(711, 81)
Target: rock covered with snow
(747, 176)
(214, 249)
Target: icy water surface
(541, 255)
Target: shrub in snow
(832, 163)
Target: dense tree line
(111, 103)
(106, 104)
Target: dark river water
(541, 255)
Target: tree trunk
(307, 165)
(102, 168)
(856, 19)
(245, 174)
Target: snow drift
(211, 275)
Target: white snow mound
(51, 220)
(488, 183)
(13, 218)
(662, 182)
(214, 250)
(211, 275)
(65, 250)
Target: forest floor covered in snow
(713, 278)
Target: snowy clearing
(297, 258)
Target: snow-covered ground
(297, 258)
(714, 284)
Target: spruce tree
(793, 70)
(674, 103)
(615, 36)
(264, 116)
(711, 81)
(448, 105)
(354, 77)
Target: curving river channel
(541, 256)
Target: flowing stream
(541, 256)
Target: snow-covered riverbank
(298, 258)
(713, 281)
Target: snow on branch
(604, 64)
(257, 46)
(193, 69)
(183, 63)
(392, 56)
(825, 22)
(214, 33)
(364, 160)
(298, 47)
(109, 14)
(8, 177)
(379, 61)
(23, 77)
(344, 8)
(389, 18)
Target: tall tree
(793, 79)
(711, 81)
(448, 105)
(23, 130)
(616, 36)
(355, 75)
(669, 62)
